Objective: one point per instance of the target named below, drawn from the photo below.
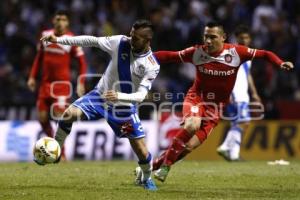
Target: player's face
(244, 39)
(214, 39)
(61, 23)
(140, 40)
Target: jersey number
(210, 95)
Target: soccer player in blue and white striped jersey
(126, 82)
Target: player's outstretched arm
(168, 56)
(49, 38)
(182, 56)
(248, 54)
(273, 58)
(83, 41)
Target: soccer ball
(46, 150)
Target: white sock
(235, 143)
(146, 169)
(146, 166)
(60, 136)
(226, 145)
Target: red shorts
(209, 112)
(54, 98)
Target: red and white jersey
(55, 60)
(216, 73)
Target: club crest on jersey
(140, 70)
(228, 58)
(194, 109)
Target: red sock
(46, 126)
(177, 147)
(158, 161)
(183, 154)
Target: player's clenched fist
(110, 95)
(287, 65)
(31, 83)
(49, 38)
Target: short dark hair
(63, 12)
(213, 24)
(142, 23)
(242, 29)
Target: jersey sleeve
(268, 55)
(247, 53)
(185, 55)
(138, 96)
(109, 44)
(149, 77)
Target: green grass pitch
(115, 180)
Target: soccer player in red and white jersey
(217, 64)
(55, 62)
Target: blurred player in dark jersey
(55, 62)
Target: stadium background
(178, 24)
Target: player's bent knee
(192, 124)
(66, 116)
(72, 113)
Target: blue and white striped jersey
(127, 71)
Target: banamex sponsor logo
(216, 72)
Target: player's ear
(224, 36)
(131, 32)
